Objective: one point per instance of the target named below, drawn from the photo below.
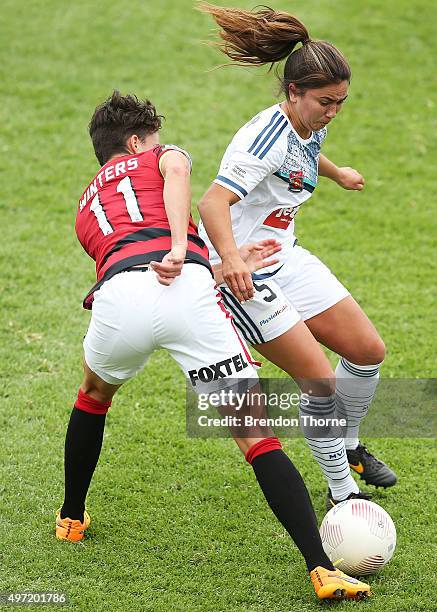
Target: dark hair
(266, 36)
(118, 118)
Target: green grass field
(179, 524)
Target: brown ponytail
(266, 36)
(259, 37)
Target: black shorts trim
(242, 317)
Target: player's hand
(236, 275)
(348, 178)
(256, 255)
(171, 265)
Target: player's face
(317, 107)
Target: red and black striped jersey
(121, 219)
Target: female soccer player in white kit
(267, 173)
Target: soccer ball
(358, 536)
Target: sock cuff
(321, 399)
(263, 446)
(351, 443)
(89, 404)
(364, 371)
(314, 405)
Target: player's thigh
(345, 329)
(213, 355)
(119, 339)
(199, 332)
(298, 353)
(271, 323)
(309, 284)
(328, 309)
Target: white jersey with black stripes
(274, 171)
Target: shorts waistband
(137, 269)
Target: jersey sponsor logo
(282, 217)
(236, 172)
(218, 370)
(295, 181)
(274, 315)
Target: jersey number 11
(125, 188)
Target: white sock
(329, 451)
(355, 389)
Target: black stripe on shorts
(243, 318)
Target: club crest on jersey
(281, 217)
(295, 181)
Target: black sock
(83, 443)
(287, 496)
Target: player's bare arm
(256, 256)
(175, 169)
(346, 177)
(214, 209)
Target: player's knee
(379, 351)
(324, 386)
(370, 352)
(98, 393)
(375, 351)
(95, 387)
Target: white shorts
(133, 315)
(302, 288)
(266, 316)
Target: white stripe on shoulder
(170, 147)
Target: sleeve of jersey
(166, 148)
(250, 163)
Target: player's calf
(83, 443)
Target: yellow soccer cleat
(333, 584)
(71, 530)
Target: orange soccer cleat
(333, 584)
(71, 530)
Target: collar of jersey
(300, 139)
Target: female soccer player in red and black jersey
(155, 289)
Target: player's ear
(292, 92)
(132, 143)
